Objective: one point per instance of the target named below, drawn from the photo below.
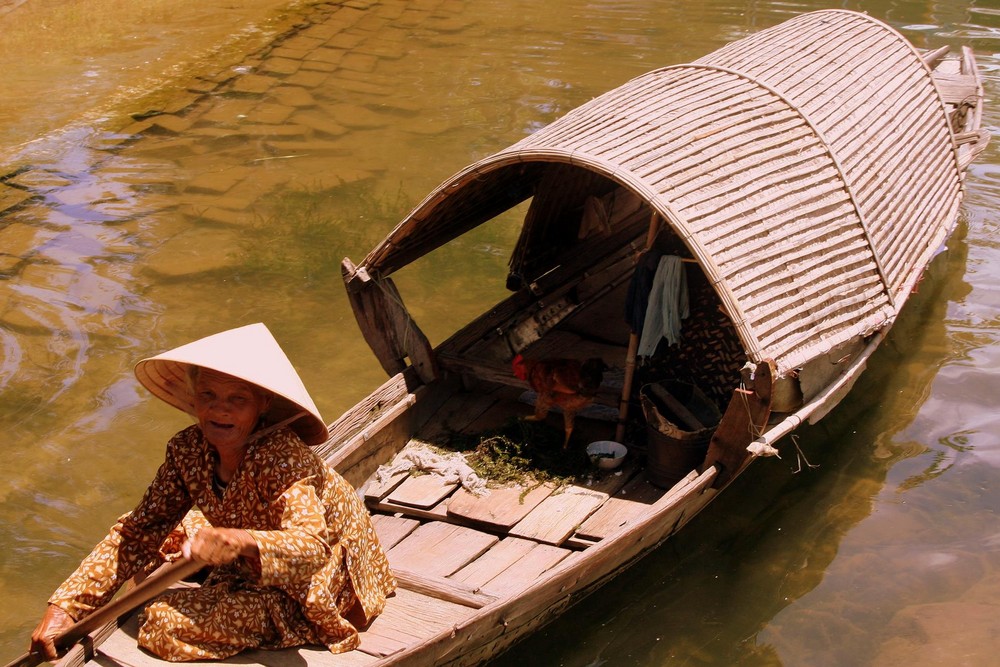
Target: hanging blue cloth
(637, 299)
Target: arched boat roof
(810, 169)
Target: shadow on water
(709, 595)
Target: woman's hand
(219, 546)
(53, 624)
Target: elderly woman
(296, 558)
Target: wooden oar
(150, 587)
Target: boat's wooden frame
(807, 212)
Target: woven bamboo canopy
(810, 169)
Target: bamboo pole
(633, 344)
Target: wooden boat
(805, 176)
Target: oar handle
(150, 587)
(26, 660)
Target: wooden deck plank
(500, 508)
(374, 490)
(437, 513)
(392, 529)
(120, 650)
(630, 503)
(443, 589)
(504, 554)
(525, 570)
(439, 549)
(557, 516)
(423, 491)
(409, 618)
(612, 481)
(406, 481)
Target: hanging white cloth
(668, 305)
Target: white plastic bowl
(606, 454)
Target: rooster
(569, 384)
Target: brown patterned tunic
(320, 560)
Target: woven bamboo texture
(809, 168)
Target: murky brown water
(168, 170)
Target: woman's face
(227, 409)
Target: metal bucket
(680, 420)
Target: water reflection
(210, 192)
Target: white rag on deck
(452, 467)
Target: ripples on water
(112, 249)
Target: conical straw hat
(249, 353)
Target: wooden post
(744, 420)
(386, 325)
(633, 344)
